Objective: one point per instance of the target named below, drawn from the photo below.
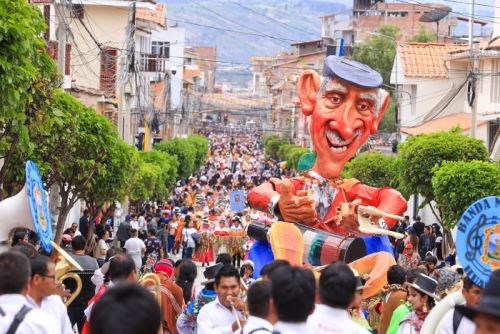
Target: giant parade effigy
(330, 213)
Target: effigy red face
(343, 116)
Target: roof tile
(426, 60)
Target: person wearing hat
(247, 272)
(486, 315)
(345, 109)
(453, 321)
(409, 259)
(356, 310)
(422, 298)
(172, 300)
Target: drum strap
(457, 319)
(18, 318)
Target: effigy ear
(308, 87)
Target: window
(161, 49)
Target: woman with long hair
(186, 277)
(421, 296)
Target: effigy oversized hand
(296, 208)
(347, 216)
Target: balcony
(152, 63)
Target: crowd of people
(158, 247)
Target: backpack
(196, 238)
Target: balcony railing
(152, 63)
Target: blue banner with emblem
(237, 200)
(478, 239)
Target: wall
(108, 25)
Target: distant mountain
(283, 21)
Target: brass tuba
(152, 280)
(64, 265)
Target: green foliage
(184, 150)
(168, 171)
(284, 150)
(202, 147)
(379, 50)
(423, 35)
(146, 179)
(294, 155)
(458, 184)
(374, 169)
(420, 154)
(272, 144)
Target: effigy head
(346, 107)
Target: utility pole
(61, 36)
(471, 86)
(125, 89)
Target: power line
(475, 3)
(275, 20)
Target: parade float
(322, 217)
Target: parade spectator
(337, 286)
(486, 315)
(427, 241)
(247, 272)
(188, 239)
(154, 250)
(418, 226)
(85, 261)
(186, 323)
(267, 271)
(409, 259)
(135, 248)
(185, 279)
(83, 223)
(262, 316)
(404, 308)
(126, 309)
(430, 265)
(421, 296)
(41, 288)
(16, 313)
(88, 263)
(123, 233)
(453, 321)
(172, 300)
(411, 237)
(394, 294)
(356, 311)
(217, 317)
(20, 236)
(101, 246)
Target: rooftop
(158, 15)
(445, 123)
(426, 60)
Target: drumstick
(377, 212)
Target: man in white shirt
(337, 285)
(293, 291)
(15, 273)
(453, 321)
(217, 317)
(262, 315)
(41, 293)
(135, 248)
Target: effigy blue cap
(352, 71)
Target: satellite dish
(435, 14)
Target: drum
(320, 247)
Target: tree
(272, 144)
(28, 77)
(294, 155)
(168, 171)
(388, 122)
(458, 184)
(423, 35)
(420, 154)
(78, 154)
(145, 180)
(185, 152)
(379, 50)
(284, 150)
(202, 147)
(374, 169)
